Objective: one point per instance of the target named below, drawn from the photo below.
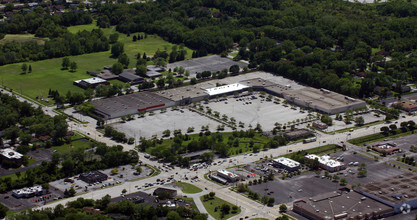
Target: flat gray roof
(179, 93)
(342, 201)
(141, 100)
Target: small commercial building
(327, 163)
(407, 106)
(218, 179)
(194, 156)
(298, 134)
(227, 175)
(130, 78)
(341, 204)
(319, 125)
(387, 148)
(10, 158)
(286, 163)
(93, 177)
(90, 82)
(27, 192)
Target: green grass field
(22, 38)
(211, 204)
(188, 188)
(47, 74)
(66, 148)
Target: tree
(225, 209)
(141, 70)
(384, 130)
(282, 208)
(124, 59)
(234, 69)
(113, 38)
(24, 68)
(30, 68)
(326, 119)
(359, 121)
(212, 194)
(73, 66)
(117, 68)
(65, 63)
(166, 133)
(117, 49)
(114, 171)
(3, 211)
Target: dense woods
(324, 43)
(320, 43)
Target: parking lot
(252, 110)
(368, 118)
(375, 170)
(159, 122)
(15, 204)
(125, 173)
(290, 189)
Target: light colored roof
(325, 160)
(91, 81)
(287, 162)
(226, 89)
(28, 190)
(11, 154)
(227, 173)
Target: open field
(188, 188)
(211, 204)
(22, 38)
(47, 74)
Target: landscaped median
(218, 208)
(188, 188)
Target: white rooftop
(325, 160)
(227, 173)
(287, 162)
(93, 80)
(226, 89)
(11, 154)
(28, 190)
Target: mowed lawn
(211, 205)
(188, 188)
(47, 74)
(22, 38)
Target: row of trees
(79, 209)
(67, 44)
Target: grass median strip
(188, 188)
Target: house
(131, 78)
